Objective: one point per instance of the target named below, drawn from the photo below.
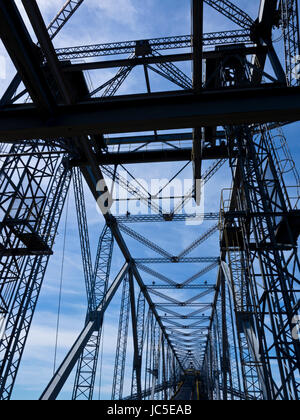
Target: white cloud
(122, 11)
(50, 7)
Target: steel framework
(238, 336)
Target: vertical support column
(136, 355)
(119, 372)
(156, 359)
(34, 198)
(57, 382)
(267, 323)
(97, 288)
(137, 365)
(164, 367)
(84, 236)
(197, 33)
(197, 41)
(225, 361)
(290, 27)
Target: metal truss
(35, 183)
(290, 27)
(88, 361)
(145, 241)
(63, 16)
(258, 188)
(113, 85)
(84, 237)
(246, 367)
(237, 336)
(172, 73)
(176, 260)
(53, 28)
(171, 283)
(263, 193)
(120, 77)
(231, 11)
(157, 351)
(34, 190)
(133, 188)
(199, 241)
(118, 383)
(136, 372)
(212, 170)
(165, 301)
(156, 44)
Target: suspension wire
(134, 179)
(61, 285)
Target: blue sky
(99, 21)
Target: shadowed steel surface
(179, 335)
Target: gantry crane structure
(241, 332)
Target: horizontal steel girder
(240, 36)
(168, 110)
(168, 58)
(162, 155)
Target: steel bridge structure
(235, 320)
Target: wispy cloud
(121, 11)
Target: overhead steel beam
(171, 283)
(165, 155)
(262, 33)
(232, 12)
(291, 34)
(159, 138)
(57, 382)
(146, 242)
(150, 303)
(98, 65)
(156, 111)
(53, 29)
(160, 59)
(156, 44)
(137, 362)
(11, 90)
(180, 287)
(267, 17)
(197, 32)
(43, 37)
(116, 141)
(92, 175)
(24, 55)
(199, 241)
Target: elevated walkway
(191, 388)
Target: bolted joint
(143, 48)
(94, 316)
